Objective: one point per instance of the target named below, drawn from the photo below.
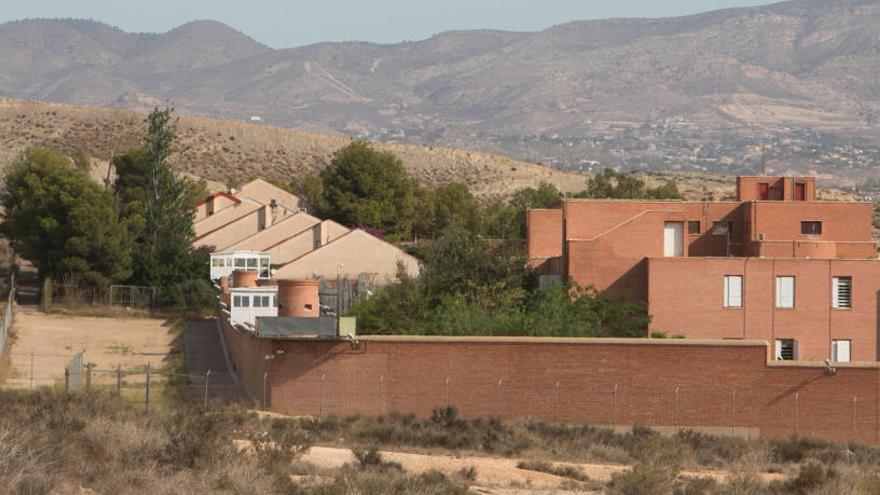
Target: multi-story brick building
(775, 265)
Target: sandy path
(108, 342)
(500, 474)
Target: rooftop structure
(776, 265)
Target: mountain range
(792, 87)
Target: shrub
(643, 479)
(810, 478)
(370, 458)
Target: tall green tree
(64, 223)
(159, 202)
(365, 187)
(455, 206)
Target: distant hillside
(793, 87)
(225, 151)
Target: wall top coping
(819, 364)
(677, 259)
(561, 340)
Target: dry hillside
(226, 151)
(794, 86)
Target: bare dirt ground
(494, 475)
(108, 342)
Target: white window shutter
(736, 291)
(784, 292)
(835, 293)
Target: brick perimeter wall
(714, 385)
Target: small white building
(247, 303)
(223, 264)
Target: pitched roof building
(264, 219)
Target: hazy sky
(288, 23)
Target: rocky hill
(225, 152)
(790, 87)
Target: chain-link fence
(141, 385)
(132, 297)
(69, 296)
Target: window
(694, 227)
(840, 351)
(240, 263)
(811, 228)
(252, 263)
(215, 262)
(786, 350)
(722, 228)
(785, 292)
(842, 294)
(262, 301)
(264, 268)
(733, 285)
(241, 302)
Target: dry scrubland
(93, 443)
(221, 151)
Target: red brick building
(775, 265)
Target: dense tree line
(475, 279)
(364, 187)
(139, 231)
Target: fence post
(675, 410)
(733, 414)
(381, 394)
(321, 394)
(265, 380)
(119, 380)
(854, 419)
(614, 407)
(446, 393)
(207, 376)
(147, 396)
(498, 404)
(88, 376)
(797, 398)
(556, 400)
